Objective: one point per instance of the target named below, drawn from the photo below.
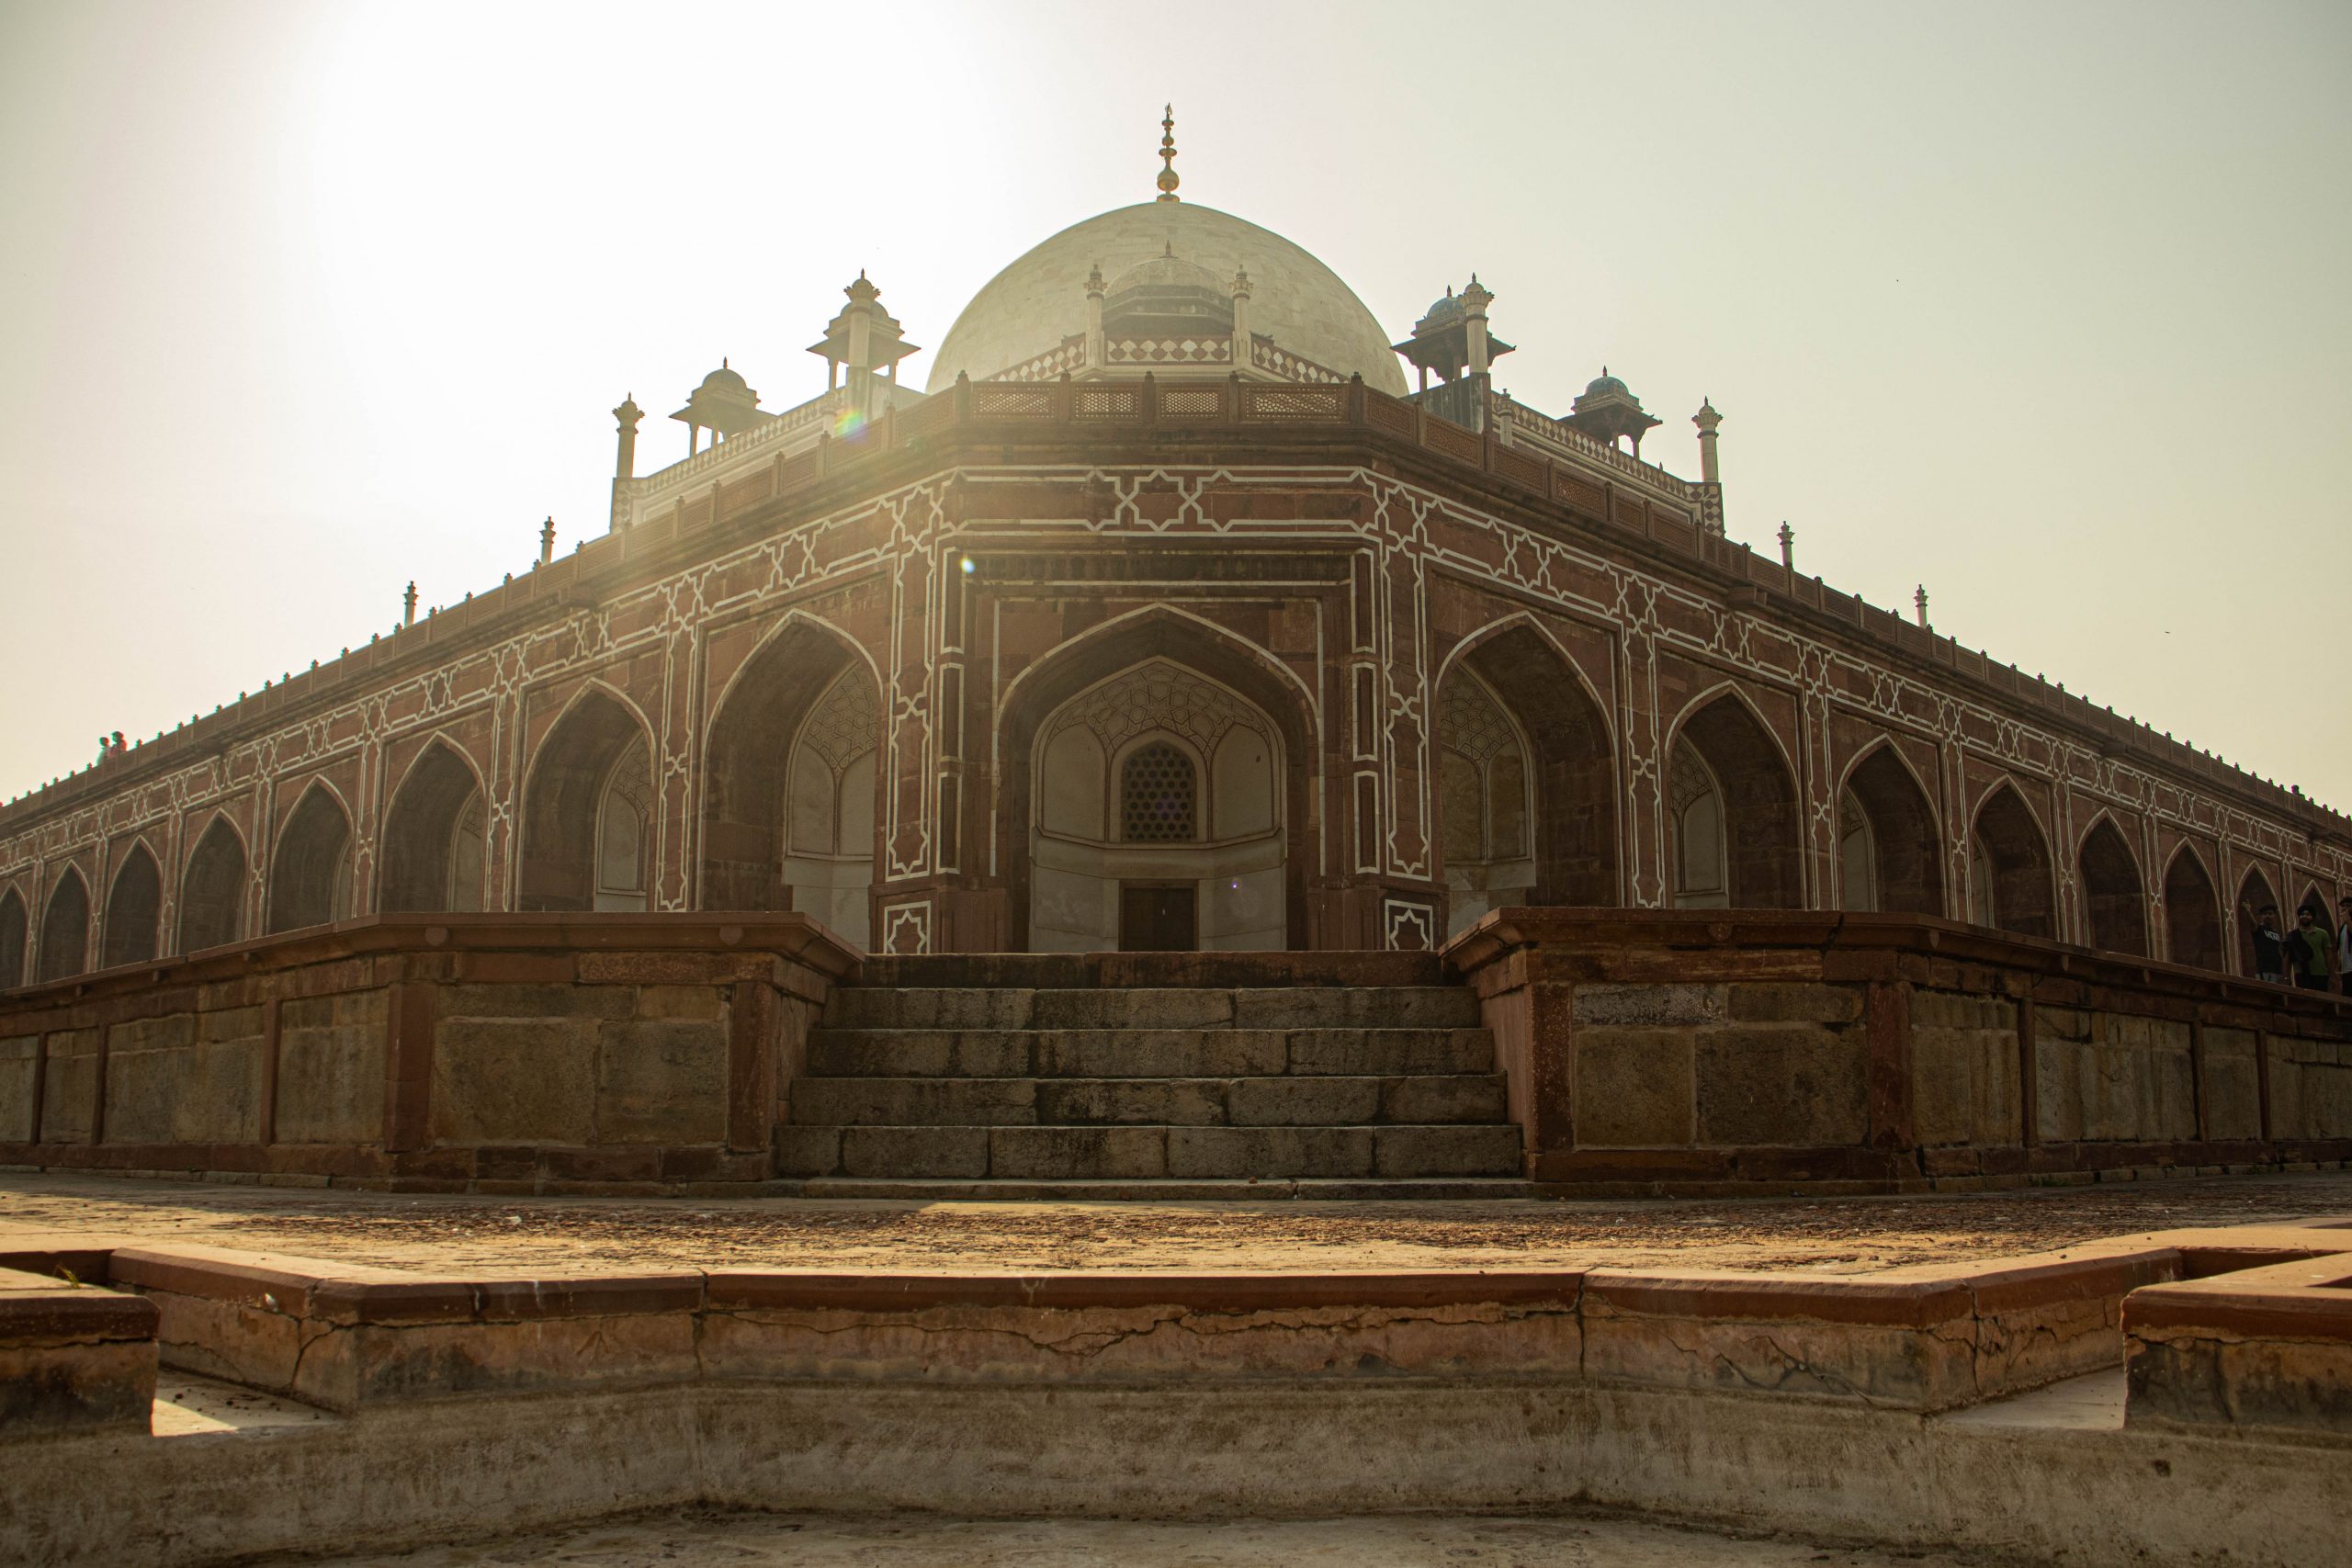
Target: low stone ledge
(73, 1359)
(2261, 1349)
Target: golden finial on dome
(1167, 156)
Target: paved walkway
(561, 1235)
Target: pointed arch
(65, 927)
(587, 808)
(1566, 753)
(432, 835)
(2010, 868)
(2115, 899)
(14, 928)
(134, 909)
(212, 888)
(762, 772)
(1899, 833)
(310, 872)
(2192, 911)
(2255, 895)
(1159, 632)
(1755, 801)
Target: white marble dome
(1040, 300)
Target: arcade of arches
(1161, 789)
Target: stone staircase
(1172, 1076)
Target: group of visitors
(2314, 956)
(112, 746)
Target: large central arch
(1224, 669)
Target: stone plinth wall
(429, 1049)
(1726, 1047)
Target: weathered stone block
(699, 1002)
(1304, 1101)
(229, 1023)
(890, 1102)
(70, 1086)
(1446, 1151)
(662, 1082)
(1964, 1080)
(1636, 1088)
(1660, 1005)
(944, 1152)
(1132, 1101)
(19, 1070)
(535, 1001)
(1792, 1002)
(1064, 1154)
(1389, 1053)
(1460, 1097)
(1213, 1152)
(1782, 1084)
(515, 1080)
(330, 1079)
(2233, 1085)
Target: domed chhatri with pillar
(1169, 614)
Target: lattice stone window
(1158, 791)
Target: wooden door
(1158, 917)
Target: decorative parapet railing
(1067, 359)
(1284, 365)
(833, 412)
(1515, 419)
(1168, 351)
(772, 462)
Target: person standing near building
(2311, 950)
(2269, 947)
(2344, 944)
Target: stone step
(1310, 1189)
(1146, 1053)
(1169, 1007)
(1148, 1153)
(1099, 971)
(1327, 1102)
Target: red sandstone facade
(1327, 553)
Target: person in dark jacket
(2270, 946)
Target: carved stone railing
(1516, 417)
(1285, 365)
(1168, 351)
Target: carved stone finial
(408, 606)
(1919, 600)
(1167, 156)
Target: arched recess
(310, 876)
(14, 928)
(2192, 912)
(588, 811)
(2255, 895)
(212, 889)
(134, 910)
(2114, 902)
(65, 927)
(1889, 843)
(1732, 823)
(789, 781)
(433, 836)
(1160, 821)
(1196, 650)
(1526, 795)
(2010, 883)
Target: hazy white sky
(2044, 306)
